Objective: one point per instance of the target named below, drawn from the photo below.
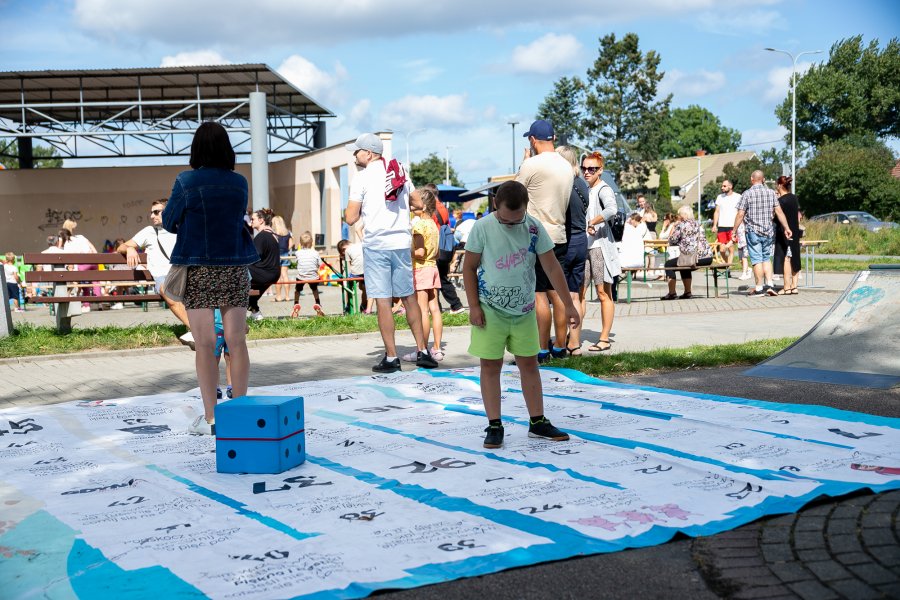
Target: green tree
(663, 192)
(564, 107)
(45, 157)
(856, 91)
(431, 169)
(850, 174)
(623, 115)
(769, 162)
(695, 128)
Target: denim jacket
(206, 211)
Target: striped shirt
(758, 204)
(308, 262)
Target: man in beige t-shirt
(548, 178)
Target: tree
(622, 113)
(850, 174)
(564, 107)
(45, 157)
(431, 169)
(695, 128)
(769, 162)
(663, 192)
(856, 91)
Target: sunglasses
(589, 170)
(156, 212)
(505, 222)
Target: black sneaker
(388, 366)
(544, 356)
(545, 429)
(768, 290)
(425, 360)
(494, 437)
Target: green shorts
(501, 331)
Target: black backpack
(617, 224)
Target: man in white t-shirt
(723, 221)
(157, 243)
(387, 248)
(548, 178)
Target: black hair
(211, 147)
(511, 194)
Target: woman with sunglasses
(602, 264)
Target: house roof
(683, 171)
(895, 172)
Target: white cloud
(762, 139)
(691, 85)
(273, 22)
(739, 23)
(421, 70)
(779, 81)
(197, 57)
(550, 54)
(323, 86)
(412, 112)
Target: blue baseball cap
(540, 130)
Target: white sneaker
(256, 316)
(411, 357)
(746, 275)
(200, 426)
(117, 306)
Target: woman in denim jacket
(206, 211)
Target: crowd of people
(527, 264)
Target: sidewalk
(844, 548)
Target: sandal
(598, 348)
(784, 292)
(572, 351)
(794, 291)
(670, 296)
(686, 296)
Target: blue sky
(461, 69)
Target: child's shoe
(494, 437)
(545, 429)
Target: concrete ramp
(856, 343)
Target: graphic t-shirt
(429, 232)
(506, 274)
(157, 247)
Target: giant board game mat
(114, 498)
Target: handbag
(686, 260)
(176, 283)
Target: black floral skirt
(214, 287)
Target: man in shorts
(723, 219)
(548, 178)
(757, 210)
(387, 249)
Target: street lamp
(447, 166)
(406, 137)
(513, 123)
(794, 108)
(700, 154)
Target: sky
(447, 77)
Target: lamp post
(700, 154)
(406, 137)
(447, 166)
(794, 108)
(513, 123)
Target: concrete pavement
(846, 548)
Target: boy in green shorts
(498, 271)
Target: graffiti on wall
(53, 219)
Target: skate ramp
(857, 342)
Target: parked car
(855, 217)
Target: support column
(26, 153)
(259, 153)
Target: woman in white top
(631, 248)
(78, 244)
(603, 259)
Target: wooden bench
(714, 269)
(63, 279)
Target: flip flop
(597, 348)
(572, 351)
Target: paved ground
(846, 548)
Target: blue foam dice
(260, 434)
